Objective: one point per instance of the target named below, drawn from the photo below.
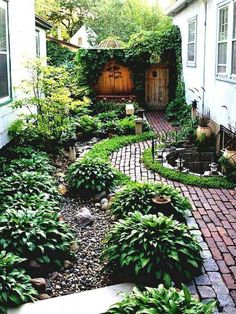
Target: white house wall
(218, 93)
(22, 48)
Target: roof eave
(42, 23)
(178, 7)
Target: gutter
(178, 6)
(42, 23)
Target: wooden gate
(157, 86)
(115, 80)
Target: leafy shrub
(111, 126)
(58, 55)
(107, 116)
(19, 201)
(28, 152)
(229, 169)
(127, 125)
(3, 162)
(151, 250)
(36, 235)
(88, 124)
(185, 178)
(138, 196)
(91, 175)
(15, 287)
(36, 163)
(28, 182)
(160, 301)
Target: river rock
(39, 284)
(104, 201)
(84, 217)
(98, 197)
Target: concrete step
(88, 302)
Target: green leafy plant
(28, 182)
(87, 124)
(185, 178)
(19, 201)
(138, 196)
(91, 175)
(38, 235)
(15, 286)
(127, 125)
(161, 300)
(203, 121)
(229, 168)
(152, 250)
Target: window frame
(228, 76)
(191, 63)
(37, 43)
(7, 99)
(233, 75)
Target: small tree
(48, 99)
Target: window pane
(3, 42)
(222, 53)
(191, 31)
(234, 58)
(3, 76)
(191, 52)
(223, 23)
(37, 38)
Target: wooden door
(115, 80)
(157, 86)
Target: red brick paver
(214, 209)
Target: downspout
(204, 58)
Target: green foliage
(177, 111)
(91, 175)
(58, 55)
(229, 169)
(127, 125)
(51, 96)
(161, 300)
(28, 182)
(121, 19)
(151, 250)
(185, 178)
(19, 201)
(88, 125)
(142, 50)
(138, 197)
(15, 286)
(37, 235)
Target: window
(226, 57)
(37, 39)
(192, 38)
(234, 42)
(80, 41)
(4, 54)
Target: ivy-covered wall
(143, 49)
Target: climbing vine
(143, 49)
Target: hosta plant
(15, 286)
(36, 235)
(160, 301)
(138, 197)
(28, 182)
(152, 250)
(20, 200)
(91, 175)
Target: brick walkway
(214, 213)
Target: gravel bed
(86, 271)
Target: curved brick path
(215, 215)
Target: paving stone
(206, 292)
(202, 280)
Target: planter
(230, 155)
(203, 130)
(162, 204)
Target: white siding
(22, 47)
(218, 93)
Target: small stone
(58, 287)
(67, 264)
(54, 276)
(105, 206)
(60, 175)
(109, 196)
(111, 199)
(39, 284)
(63, 189)
(44, 296)
(104, 201)
(84, 217)
(98, 197)
(74, 247)
(97, 205)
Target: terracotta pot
(231, 156)
(203, 130)
(162, 204)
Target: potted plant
(203, 127)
